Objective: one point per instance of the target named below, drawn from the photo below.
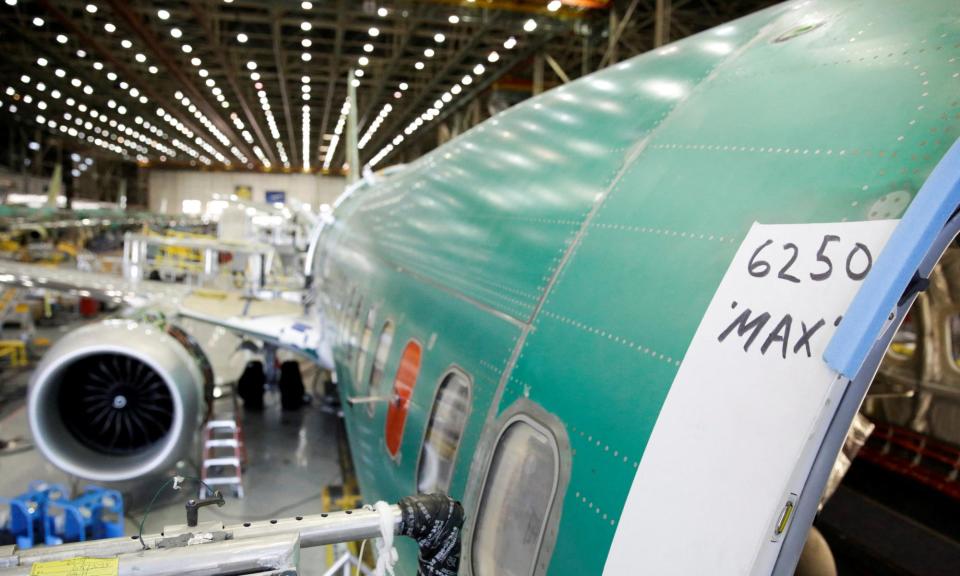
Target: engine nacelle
(119, 400)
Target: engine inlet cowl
(118, 400)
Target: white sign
(748, 406)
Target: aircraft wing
(293, 332)
(105, 287)
(277, 322)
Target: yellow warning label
(77, 567)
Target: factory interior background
(290, 267)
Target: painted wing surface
(278, 322)
(105, 287)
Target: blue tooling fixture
(94, 514)
(45, 515)
(27, 513)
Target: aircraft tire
(250, 385)
(291, 386)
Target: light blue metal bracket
(905, 257)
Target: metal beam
(229, 69)
(611, 56)
(661, 24)
(278, 56)
(122, 68)
(557, 69)
(122, 9)
(332, 75)
(479, 87)
(415, 107)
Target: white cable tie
(386, 553)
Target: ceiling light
(382, 12)
(368, 48)
(466, 80)
(38, 21)
(439, 38)
(59, 72)
(187, 48)
(456, 89)
(98, 65)
(363, 60)
(203, 73)
(454, 19)
(254, 76)
(241, 37)
(251, 65)
(195, 61)
(175, 32)
(163, 14)
(418, 65)
(356, 83)
(397, 95)
(111, 76)
(478, 69)
(306, 43)
(446, 97)
(306, 5)
(509, 43)
(91, 8)
(126, 44)
(109, 27)
(305, 79)
(153, 69)
(12, 3)
(530, 25)
(61, 39)
(493, 57)
(306, 26)
(358, 73)
(554, 5)
(41, 61)
(306, 57)
(374, 31)
(140, 58)
(429, 52)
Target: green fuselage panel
(565, 250)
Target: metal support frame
(212, 547)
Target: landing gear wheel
(292, 393)
(250, 386)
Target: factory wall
(169, 188)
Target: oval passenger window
(403, 384)
(516, 501)
(451, 407)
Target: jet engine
(120, 399)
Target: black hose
(435, 521)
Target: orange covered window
(407, 372)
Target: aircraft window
(517, 497)
(406, 379)
(353, 333)
(380, 362)
(365, 343)
(344, 315)
(451, 407)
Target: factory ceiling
(261, 85)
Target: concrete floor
(292, 456)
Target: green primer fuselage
(564, 251)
